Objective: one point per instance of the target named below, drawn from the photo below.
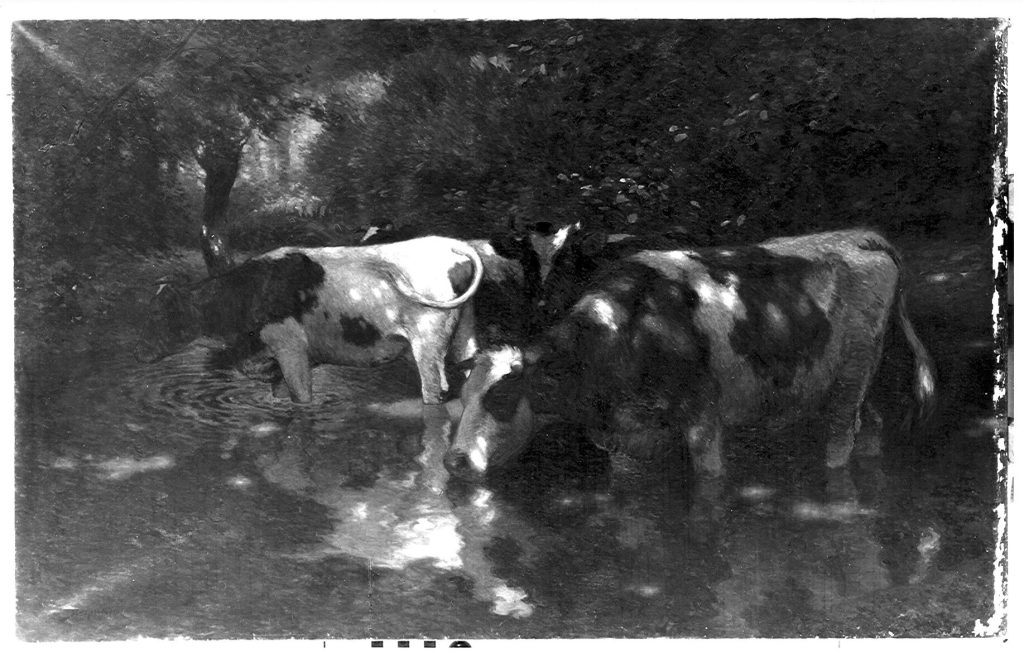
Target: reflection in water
(401, 518)
(809, 561)
(173, 500)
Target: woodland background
(130, 135)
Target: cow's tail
(924, 369)
(924, 366)
(478, 274)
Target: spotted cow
(296, 307)
(676, 346)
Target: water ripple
(183, 390)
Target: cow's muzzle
(458, 465)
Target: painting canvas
(560, 328)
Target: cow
(302, 306)
(515, 266)
(675, 346)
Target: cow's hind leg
(430, 346)
(429, 352)
(869, 437)
(844, 420)
(847, 403)
(464, 343)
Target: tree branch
(108, 105)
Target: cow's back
(431, 266)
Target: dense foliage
(133, 134)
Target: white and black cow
(684, 344)
(343, 305)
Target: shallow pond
(173, 500)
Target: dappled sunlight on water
(176, 500)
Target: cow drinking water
(343, 305)
(676, 346)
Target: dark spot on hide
(358, 331)
(542, 227)
(505, 299)
(783, 328)
(584, 255)
(502, 398)
(327, 315)
(237, 304)
(656, 359)
(460, 276)
(519, 249)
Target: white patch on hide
(775, 316)
(478, 456)
(558, 241)
(605, 313)
(501, 363)
(359, 511)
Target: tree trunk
(219, 159)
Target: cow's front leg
(288, 344)
(297, 375)
(704, 440)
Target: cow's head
(571, 267)
(548, 241)
(497, 420)
(172, 321)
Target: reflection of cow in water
(395, 521)
(673, 346)
(341, 305)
